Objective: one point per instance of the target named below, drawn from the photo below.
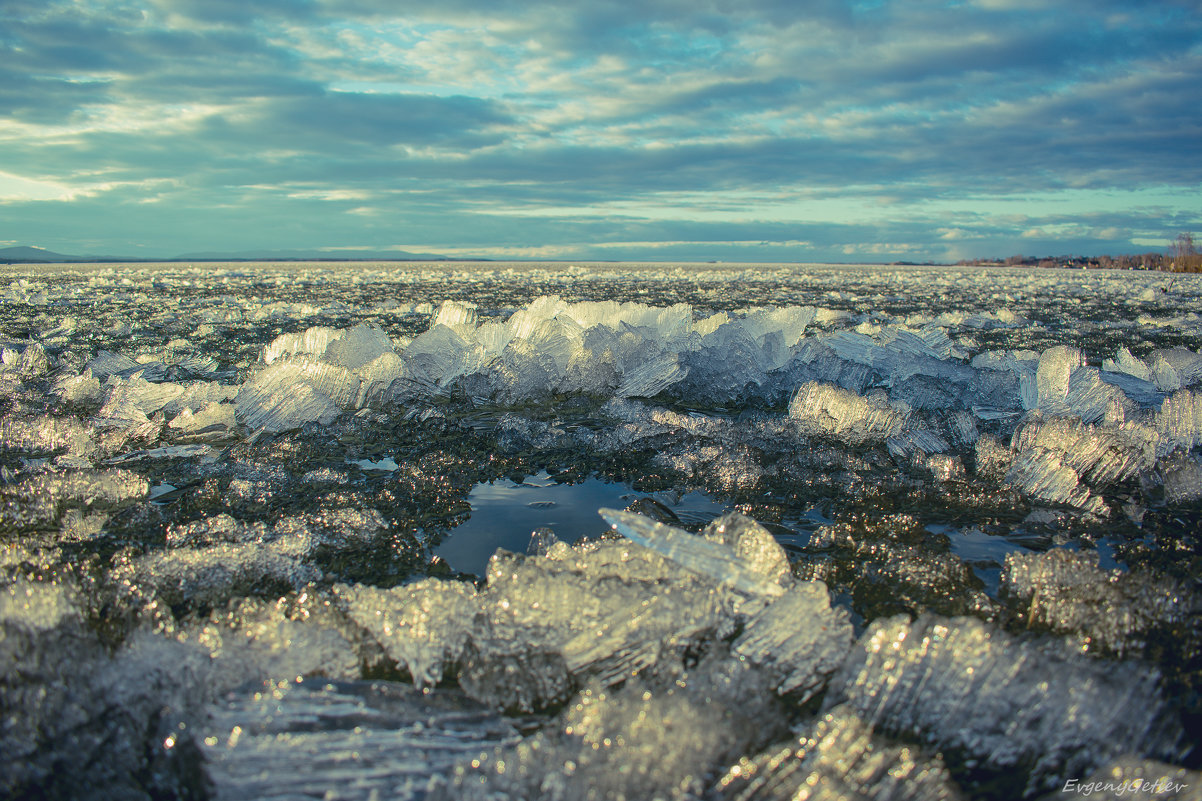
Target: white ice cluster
(1112, 610)
(606, 610)
(963, 685)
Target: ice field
(599, 531)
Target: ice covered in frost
(1053, 374)
(36, 605)
(655, 739)
(606, 611)
(838, 757)
(88, 486)
(84, 722)
(46, 435)
(422, 626)
(826, 409)
(1031, 705)
(1067, 591)
(798, 638)
(1180, 419)
(218, 557)
(315, 375)
(1057, 459)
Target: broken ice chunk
(1175, 368)
(1034, 706)
(838, 758)
(255, 639)
(826, 409)
(799, 638)
(278, 406)
(753, 544)
(108, 363)
(423, 626)
(456, 315)
(1093, 398)
(44, 435)
(1042, 474)
(1182, 478)
(1068, 592)
(37, 605)
(633, 743)
(83, 388)
(211, 575)
(651, 377)
(212, 418)
(636, 637)
(358, 347)
(1180, 419)
(710, 559)
(32, 361)
(1124, 362)
(1103, 455)
(311, 341)
(1056, 365)
(88, 486)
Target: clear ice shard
(1180, 420)
(353, 741)
(710, 559)
(1033, 705)
(838, 757)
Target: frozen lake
(907, 532)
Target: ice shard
(710, 559)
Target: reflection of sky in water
(984, 553)
(504, 514)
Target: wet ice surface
(877, 532)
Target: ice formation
(1038, 707)
(839, 757)
(217, 479)
(355, 741)
(1067, 591)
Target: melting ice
(332, 531)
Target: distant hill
(34, 255)
(23, 255)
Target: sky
(659, 130)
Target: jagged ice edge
(697, 554)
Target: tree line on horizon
(1183, 256)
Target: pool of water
(505, 514)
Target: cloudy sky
(754, 130)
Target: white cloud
(14, 188)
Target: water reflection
(504, 514)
